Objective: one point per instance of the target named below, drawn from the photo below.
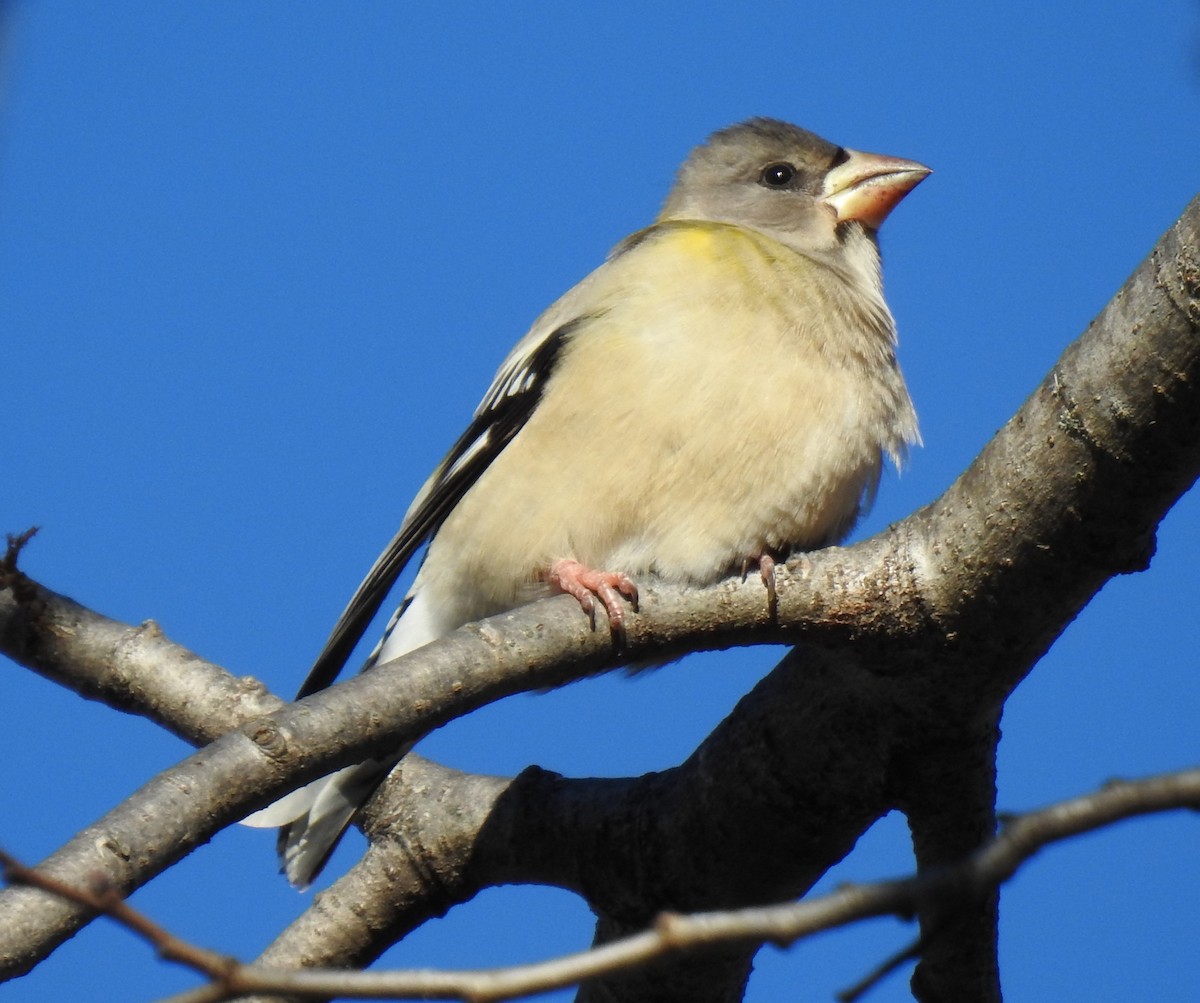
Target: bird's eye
(777, 175)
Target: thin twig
(851, 994)
(102, 898)
(671, 934)
(14, 544)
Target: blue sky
(259, 261)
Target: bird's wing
(505, 408)
(510, 400)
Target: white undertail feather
(315, 816)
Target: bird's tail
(312, 819)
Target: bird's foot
(766, 571)
(584, 583)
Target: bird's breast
(723, 398)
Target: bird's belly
(787, 471)
(718, 422)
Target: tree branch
(928, 626)
(247, 768)
(975, 878)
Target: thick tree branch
(929, 625)
(947, 790)
(183, 807)
(137, 670)
(942, 890)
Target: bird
(721, 391)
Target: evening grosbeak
(722, 390)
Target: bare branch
(671, 934)
(15, 543)
(934, 621)
(137, 670)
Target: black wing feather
(503, 414)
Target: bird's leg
(583, 583)
(766, 571)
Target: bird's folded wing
(505, 409)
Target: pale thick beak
(868, 186)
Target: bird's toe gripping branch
(584, 583)
(766, 571)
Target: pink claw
(583, 583)
(766, 571)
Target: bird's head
(789, 183)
